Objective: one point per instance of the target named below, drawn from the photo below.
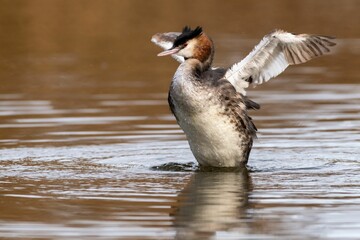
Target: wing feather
(275, 52)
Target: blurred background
(60, 57)
(64, 55)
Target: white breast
(213, 139)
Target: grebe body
(210, 104)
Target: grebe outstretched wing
(275, 52)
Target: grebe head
(192, 44)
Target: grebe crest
(192, 44)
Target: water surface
(89, 149)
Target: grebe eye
(185, 45)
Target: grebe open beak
(169, 52)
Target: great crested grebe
(210, 104)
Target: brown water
(85, 125)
